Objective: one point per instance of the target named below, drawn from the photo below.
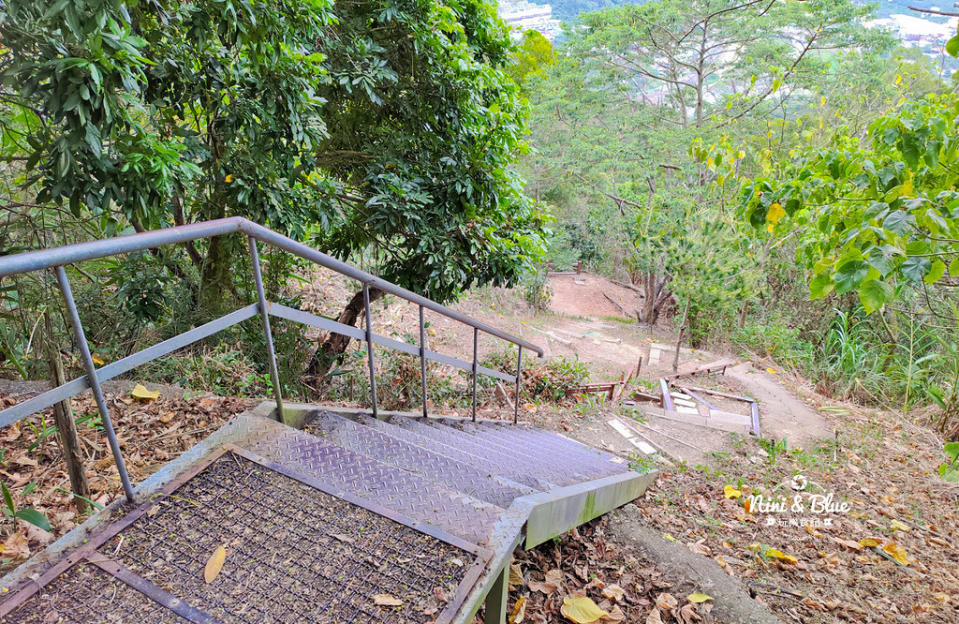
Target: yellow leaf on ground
(519, 612)
(775, 213)
(771, 371)
(97, 360)
(669, 537)
(731, 492)
(897, 552)
(698, 597)
(581, 610)
(140, 393)
(385, 600)
(214, 564)
(898, 525)
(870, 542)
(778, 554)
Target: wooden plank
(689, 419)
(736, 397)
(712, 367)
(667, 400)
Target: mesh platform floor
(295, 554)
(84, 594)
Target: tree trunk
(334, 345)
(216, 278)
(655, 297)
(63, 417)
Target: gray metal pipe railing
(69, 254)
(57, 258)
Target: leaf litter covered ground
(151, 433)
(898, 508)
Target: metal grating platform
(317, 520)
(295, 554)
(85, 594)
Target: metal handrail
(58, 257)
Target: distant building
(523, 15)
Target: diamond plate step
(406, 493)
(522, 437)
(388, 449)
(510, 472)
(549, 457)
(473, 444)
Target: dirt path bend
(783, 414)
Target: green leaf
(935, 273)
(899, 222)
(34, 517)
(952, 450)
(952, 46)
(7, 498)
(850, 275)
(915, 268)
(954, 268)
(874, 294)
(820, 286)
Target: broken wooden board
(719, 366)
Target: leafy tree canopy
(385, 124)
(874, 215)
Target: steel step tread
(406, 493)
(605, 463)
(385, 448)
(510, 461)
(516, 477)
(552, 450)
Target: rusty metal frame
(88, 552)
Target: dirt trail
(584, 324)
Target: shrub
(537, 291)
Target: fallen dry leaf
(666, 601)
(550, 585)
(516, 576)
(214, 564)
(614, 592)
(898, 525)
(870, 542)
(615, 615)
(385, 600)
(581, 610)
(688, 614)
(698, 597)
(654, 617)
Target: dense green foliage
(731, 155)
(382, 130)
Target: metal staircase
(372, 516)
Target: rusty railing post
(93, 380)
(519, 378)
(475, 342)
(369, 346)
(423, 361)
(274, 371)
